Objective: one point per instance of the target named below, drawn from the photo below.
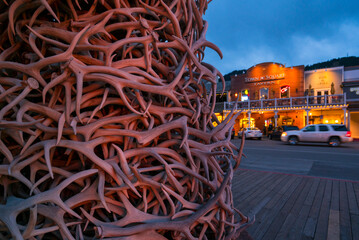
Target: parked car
(252, 132)
(333, 134)
(277, 132)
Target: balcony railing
(293, 102)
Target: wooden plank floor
(297, 207)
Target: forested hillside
(335, 62)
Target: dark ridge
(335, 62)
(227, 77)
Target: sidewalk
(297, 207)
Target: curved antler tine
(108, 125)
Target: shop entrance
(287, 121)
(244, 123)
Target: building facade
(268, 81)
(271, 95)
(351, 90)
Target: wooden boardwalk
(297, 207)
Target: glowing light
(326, 121)
(336, 121)
(310, 114)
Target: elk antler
(106, 111)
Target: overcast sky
(291, 32)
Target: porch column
(345, 116)
(307, 122)
(249, 118)
(348, 126)
(275, 118)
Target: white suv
(333, 134)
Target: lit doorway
(320, 95)
(244, 123)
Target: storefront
(268, 81)
(326, 82)
(279, 95)
(322, 82)
(351, 90)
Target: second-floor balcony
(306, 102)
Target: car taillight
(349, 134)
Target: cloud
(308, 49)
(252, 56)
(299, 48)
(288, 32)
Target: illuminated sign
(284, 89)
(264, 83)
(244, 94)
(265, 78)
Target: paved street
(298, 192)
(305, 159)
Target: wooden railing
(293, 102)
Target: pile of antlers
(106, 123)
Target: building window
(264, 93)
(273, 94)
(284, 91)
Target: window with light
(264, 93)
(284, 91)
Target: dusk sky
(291, 32)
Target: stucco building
(351, 90)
